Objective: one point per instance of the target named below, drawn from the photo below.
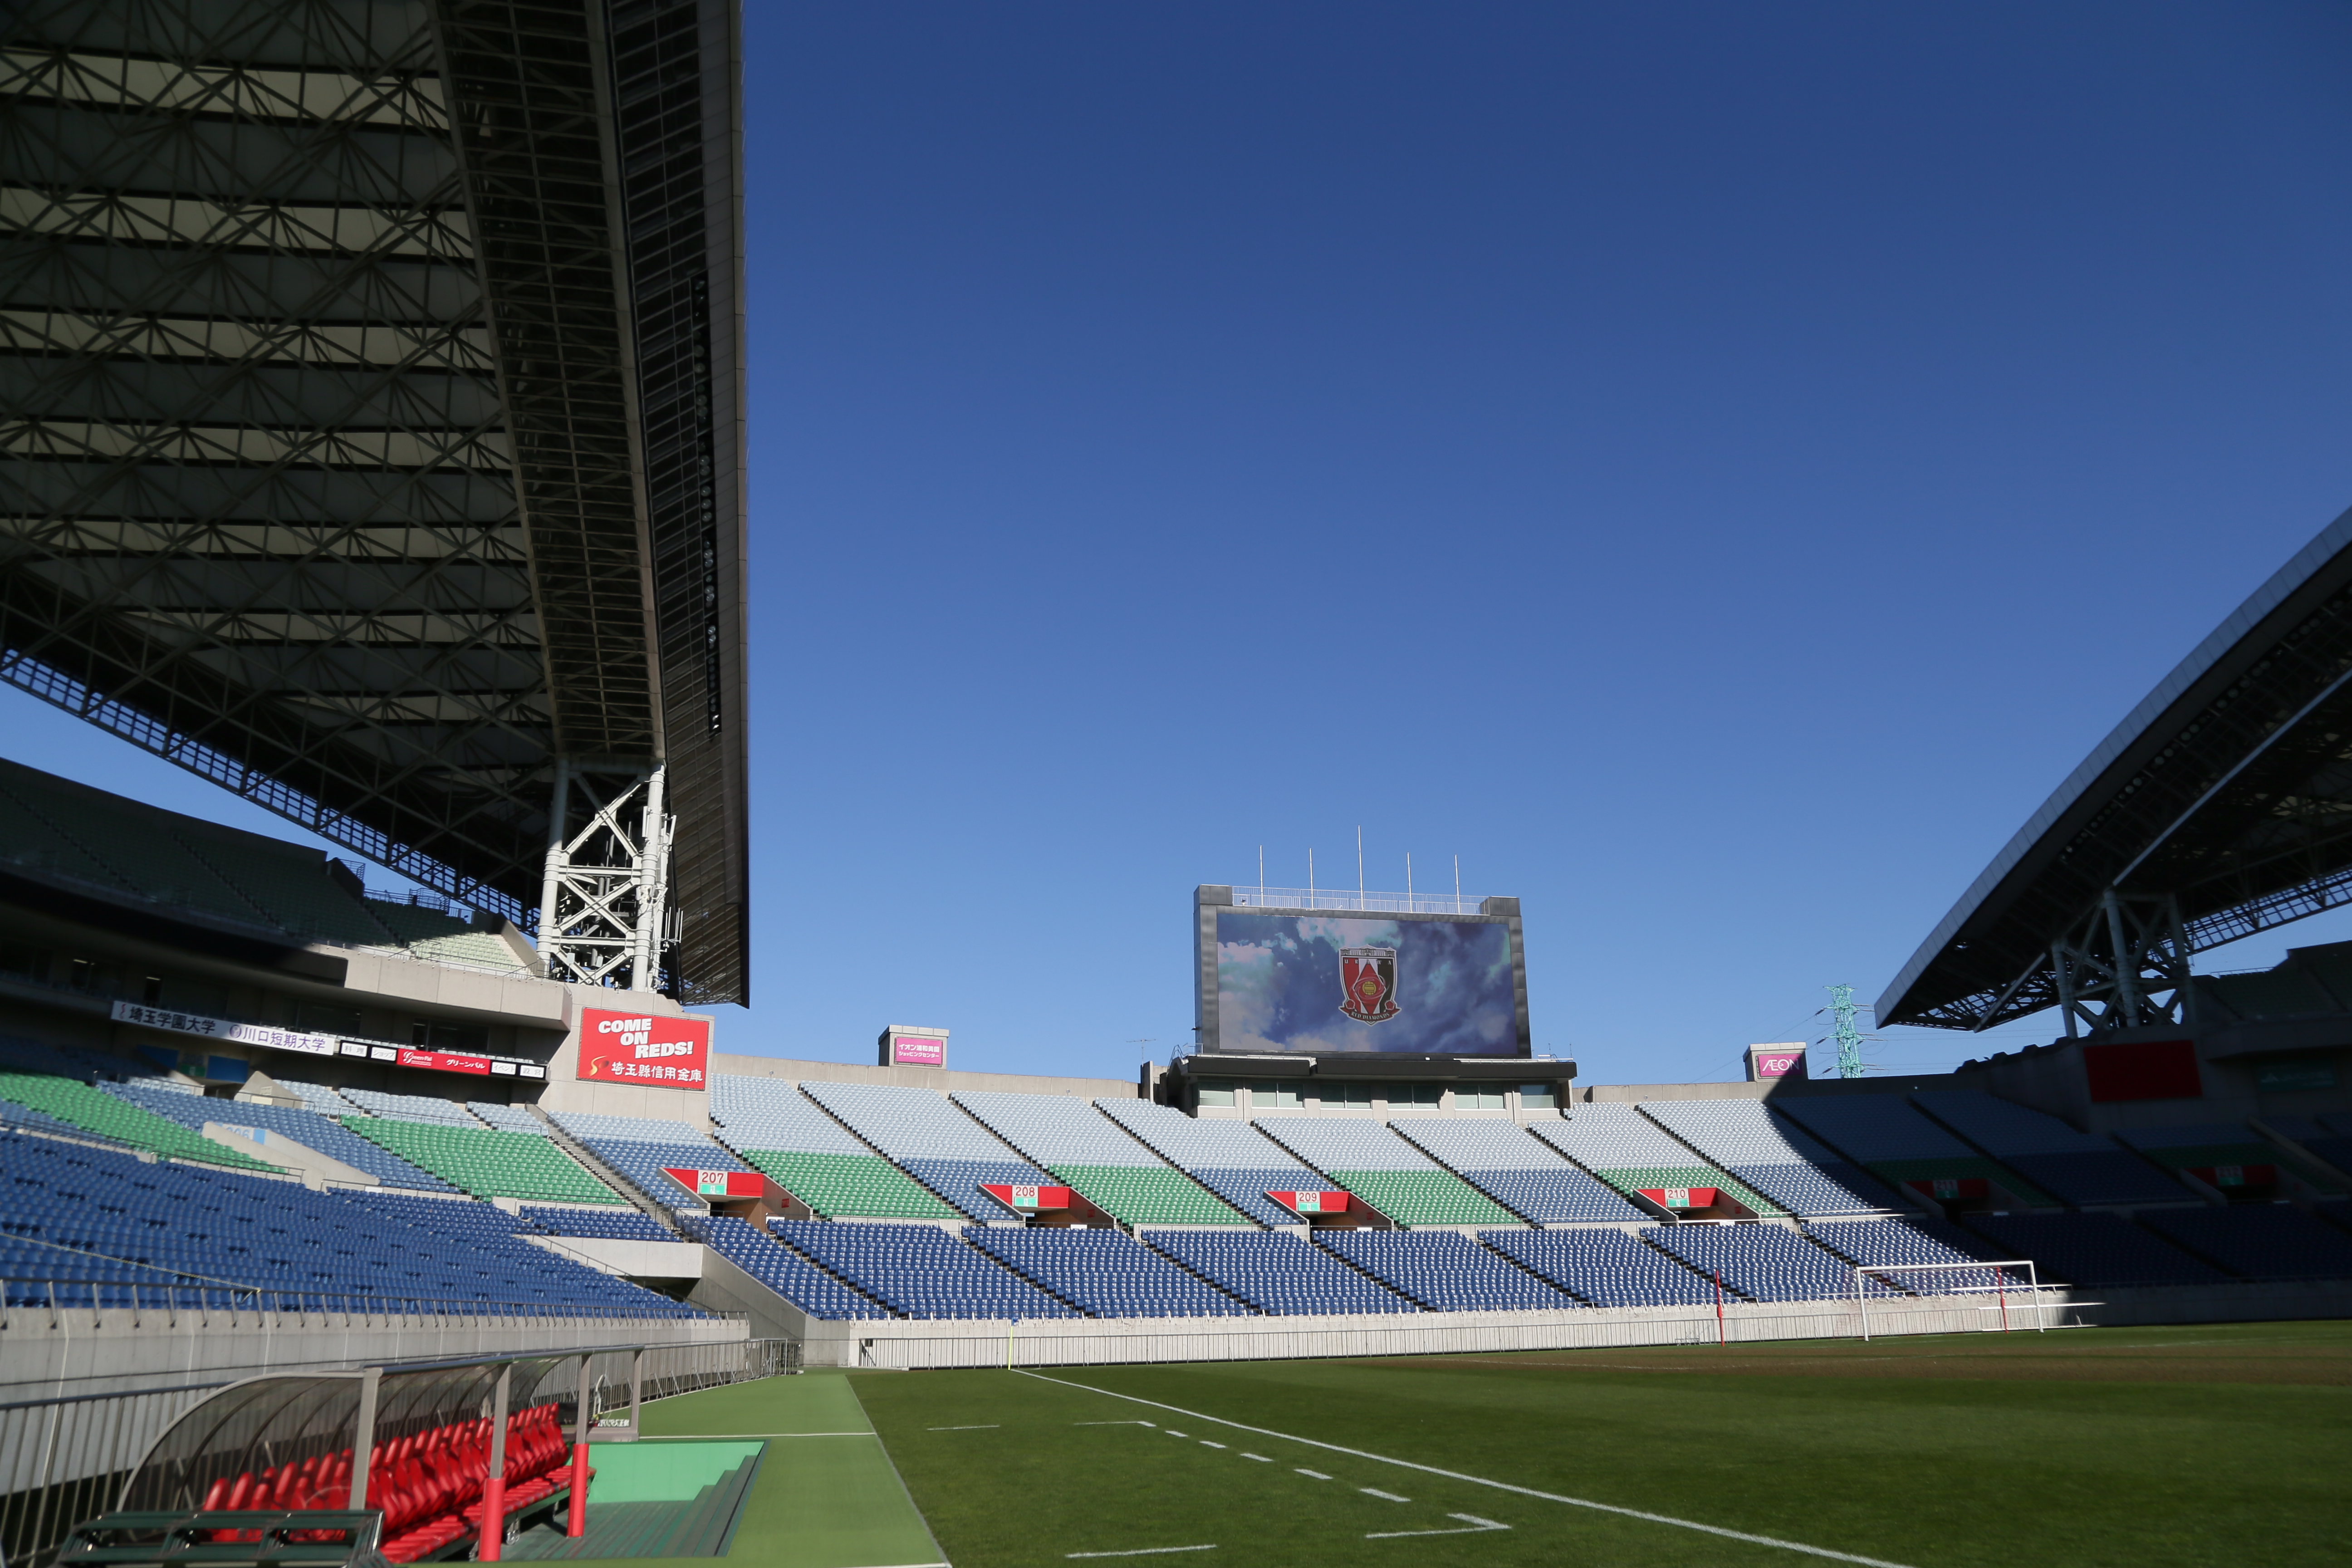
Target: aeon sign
(1766, 1063)
(650, 1052)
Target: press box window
(1480, 1099)
(1277, 1096)
(1416, 1094)
(1538, 1096)
(1347, 1093)
(1215, 1091)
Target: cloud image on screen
(1280, 985)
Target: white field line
(991, 1427)
(1207, 1444)
(1138, 1551)
(1715, 1530)
(1261, 1458)
(1385, 1497)
(1476, 1526)
(1315, 1475)
(1111, 1423)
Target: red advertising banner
(445, 1061)
(1679, 1197)
(1312, 1203)
(724, 1183)
(650, 1052)
(1027, 1200)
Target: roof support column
(603, 917)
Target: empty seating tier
(1276, 1272)
(1899, 1144)
(780, 1269)
(315, 1133)
(319, 1098)
(1763, 1262)
(486, 1164)
(1098, 1159)
(848, 1186)
(1373, 1164)
(204, 1226)
(2259, 1241)
(412, 1108)
(1509, 1165)
(1771, 1155)
(607, 1224)
(938, 1144)
(1231, 1158)
(919, 1270)
(2219, 1154)
(1606, 1268)
(1882, 1243)
(507, 1118)
(1631, 1153)
(2093, 1250)
(2078, 1168)
(80, 1105)
(1106, 1274)
(1445, 1271)
(641, 1148)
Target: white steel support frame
(2000, 1285)
(604, 912)
(2127, 958)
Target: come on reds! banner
(650, 1052)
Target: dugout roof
(2229, 787)
(370, 398)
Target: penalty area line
(1648, 1518)
(1143, 1551)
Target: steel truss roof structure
(2222, 806)
(370, 416)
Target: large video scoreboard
(1332, 981)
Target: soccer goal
(1999, 1280)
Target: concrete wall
(941, 1079)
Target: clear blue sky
(1715, 469)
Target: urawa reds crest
(1367, 984)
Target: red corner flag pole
(1718, 1307)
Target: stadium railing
(64, 1455)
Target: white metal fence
(2017, 1308)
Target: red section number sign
(651, 1052)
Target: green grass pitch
(2145, 1448)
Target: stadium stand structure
(2225, 1156)
(1606, 1266)
(1625, 1149)
(108, 1218)
(486, 1164)
(1231, 1158)
(782, 1135)
(933, 1141)
(1276, 1272)
(605, 1223)
(788, 1273)
(2325, 1137)
(1098, 1159)
(1445, 1271)
(1901, 1144)
(2094, 1249)
(306, 1128)
(1105, 1274)
(1368, 1161)
(85, 1107)
(919, 1270)
(507, 1118)
(1885, 1242)
(2078, 1168)
(1762, 1262)
(422, 1107)
(2259, 1241)
(640, 1149)
(1772, 1156)
(1527, 1177)
(319, 1099)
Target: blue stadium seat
(1445, 1271)
(1105, 1273)
(2259, 1241)
(1276, 1272)
(1606, 1268)
(610, 1223)
(780, 1269)
(919, 1270)
(1763, 1262)
(2094, 1249)
(312, 1131)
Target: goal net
(2009, 1294)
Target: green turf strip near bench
(1424, 1197)
(1146, 1195)
(101, 1113)
(486, 1164)
(847, 1186)
(1897, 1172)
(1631, 1179)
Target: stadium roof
(2229, 789)
(371, 394)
